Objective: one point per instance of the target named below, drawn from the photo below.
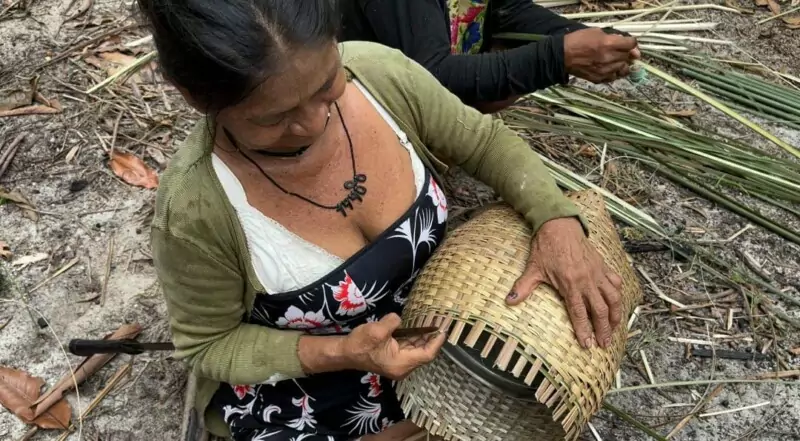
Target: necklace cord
(355, 186)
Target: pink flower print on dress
(297, 319)
(243, 390)
(306, 414)
(374, 382)
(437, 196)
(351, 299)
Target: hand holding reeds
(599, 55)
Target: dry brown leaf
(5, 251)
(29, 110)
(682, 113)
(117, 58)
(114, 61)
(19, 390)
(22, 202)
(13, 100)
(761, 2)
(86, 369)
(94, 61)
(792, 21)
(774, 7)
(587, 151)
(133, 170)
(39, 98)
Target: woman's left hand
(563, 258)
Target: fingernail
(588, 343)
(607, 342)
(512, 296)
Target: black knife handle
(86, 348)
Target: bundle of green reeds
(689, 156)
(744, 92)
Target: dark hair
(220, 50)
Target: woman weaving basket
(292, 222)
(457, 41)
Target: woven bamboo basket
(509, 373)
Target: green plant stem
(768, 86)
(760, 87)
(738, 92)
(730, 204)
(760, 114)
(699, 383)
(633, 422)
(725, 109)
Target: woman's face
(290, 109)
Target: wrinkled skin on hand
(563, 258)
(599, 56)
(373, 349)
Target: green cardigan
(201, 254)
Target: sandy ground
(95, 273)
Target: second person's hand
(599, 56)
(370, 347)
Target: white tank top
(282, 260)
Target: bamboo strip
(581, 15)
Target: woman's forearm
(320, 354)
(419, 29)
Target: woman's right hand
(371, 348)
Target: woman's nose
(311, 120)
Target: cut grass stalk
(782, 14)
(655, 35)
(746, 90)
(125, 72)
(725, 109)
(620, 209)
(633, 422)
(654, 27)
(748, 213)
(643, 12)
(763, 115)
(688, 158)
(758, 106)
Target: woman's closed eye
(269, 121)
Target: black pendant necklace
(355, 186)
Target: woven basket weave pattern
(465, 283)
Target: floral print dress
(376, 281)
(467, 18)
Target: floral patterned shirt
(372, 283)
(467, 18)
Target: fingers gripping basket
(508, 373)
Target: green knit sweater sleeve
(205, 299)
(484, 147)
